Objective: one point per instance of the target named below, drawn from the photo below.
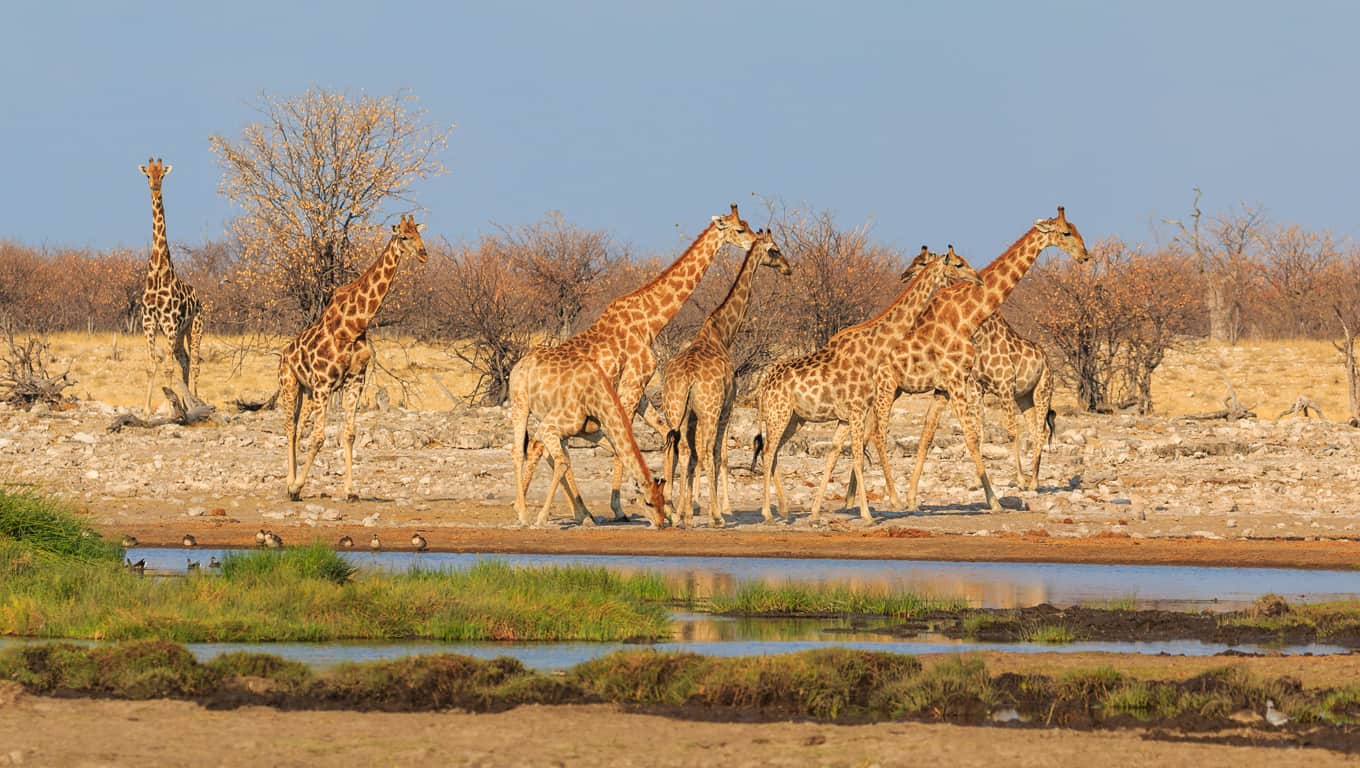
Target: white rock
(195, 511)
(332, 514)
(85, 437)
(92, 474)
(372, 520)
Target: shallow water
(713, 636)
(983, 585)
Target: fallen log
(182, 414)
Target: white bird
(419, 542)
(374, 544)
(189, 540)
(272, 540)
(259, 538)
(1274, 716)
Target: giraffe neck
(903, 313)
(160, 245)
(977, 302)
(660, 299)
(360, 300)
(724, 322)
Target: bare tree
(311, 177)
(490, 316)
(1224, 259)
(562, 263)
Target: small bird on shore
(272, 540)
(259, 538)
(419, 542)
(138, 567)
(189, 540)
(374, 543)
(213, 563)
(191, 565)
(346, 542)
(1274, 716)
(129, 541)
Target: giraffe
(332, 354)
(170, 306)
(698, 389)
(1016, 370)
(938, 355)
(837, 381)
(566, 391)
(619, 342)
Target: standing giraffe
(938, 355)
(837, 381)
(619, 342)
(698, 390)
(332, 354)
(170, 306)
(1016, 370)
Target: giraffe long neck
(903, 313)
(363, 298)
(977, 302)
(660, 299)
(724, 322)
(160, 244)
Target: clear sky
(946, 122)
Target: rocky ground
(1103, 476)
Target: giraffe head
(952, 267)
(1062, 233)
(656, 499)
(154, 171)
(406, 238)
(769, 253)
(733, 229)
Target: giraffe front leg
(878, 435)
(964, 404)
(153, 360)
(195, 351)
(319, 405)
(353, 394)
(833, 456)
(857, 464)
(290, 404)
(724, 477)
(932, 421)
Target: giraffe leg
(927, 437)
(181, 352)
(154, 359)
(705, 435)
(833, 455)
(353, 393)
(1041, 430)
(1010, 415)
(319, 404)
(195, 351)
(773, 441)
(965, 409)
(290, 404)
(557, 459)
(878, 433)
(684, 459)
(720, 456)
(519, 436)
(857, 466)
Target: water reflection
(983, 585)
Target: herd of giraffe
(942, 335)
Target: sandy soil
(38, 732)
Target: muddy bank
(831, 686)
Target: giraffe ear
(142, 168)
(396, 228)
(420, 227)
(166, 171)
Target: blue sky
(944, 122)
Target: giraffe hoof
(351, 496)
(717, 522)
(295, 495)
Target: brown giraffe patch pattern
(332, 355)
(619, 342)
(1016, 371)
(836, 383)
(938, 355)
(698, 391)
(170, 306)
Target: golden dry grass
(1269, 375)
(111, 368)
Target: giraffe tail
(1050, 423)
(757, 447)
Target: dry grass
(111, 368)
(1268, 375)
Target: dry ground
(442, 466)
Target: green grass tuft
(758, 599)
(38, 528)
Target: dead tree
(1233, 409)
(1302, 407)
(183, 414)
(1347, 347)
(26, 381)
